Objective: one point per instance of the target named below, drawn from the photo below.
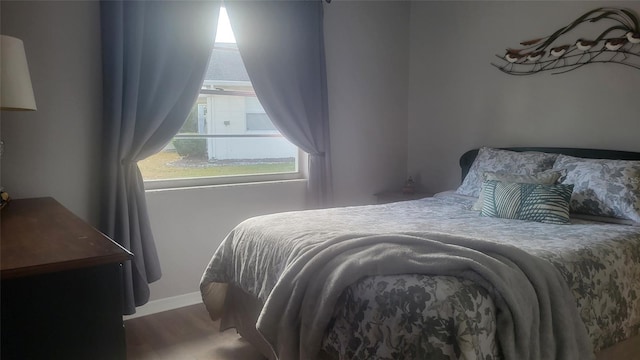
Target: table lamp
(15, 84)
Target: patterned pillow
(603, 187)
(546, 177)
(604, 219)
(505, 161)
(533, 202)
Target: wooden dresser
(61, 285)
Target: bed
(474, 273)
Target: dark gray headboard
(467, 158)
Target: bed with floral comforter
(436, 317)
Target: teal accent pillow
(532, 202)
(545, 177)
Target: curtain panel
(282, 47)
(155, 55)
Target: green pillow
(532, 202)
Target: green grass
(159, 166)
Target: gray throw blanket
(536, 313)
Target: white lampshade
(15, 82)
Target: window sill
(220, 185)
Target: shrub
(191, 148)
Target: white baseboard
(170, 303)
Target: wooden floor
(184, 334)
(188, 333)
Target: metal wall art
(561, 52)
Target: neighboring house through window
(228, 136)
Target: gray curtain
(282, 46)
(155, 55)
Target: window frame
(299, 174)
(160, 184)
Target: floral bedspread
(439, 317)
(413, 317)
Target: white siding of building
(228, 115)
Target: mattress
(387, 316)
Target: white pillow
(504, 161)
(602, 187)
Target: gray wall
(367, 46)
(457, 101)
(189, 224)
(54, 151)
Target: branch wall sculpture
(561, 52)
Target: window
(257, 119)
(227, 137)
